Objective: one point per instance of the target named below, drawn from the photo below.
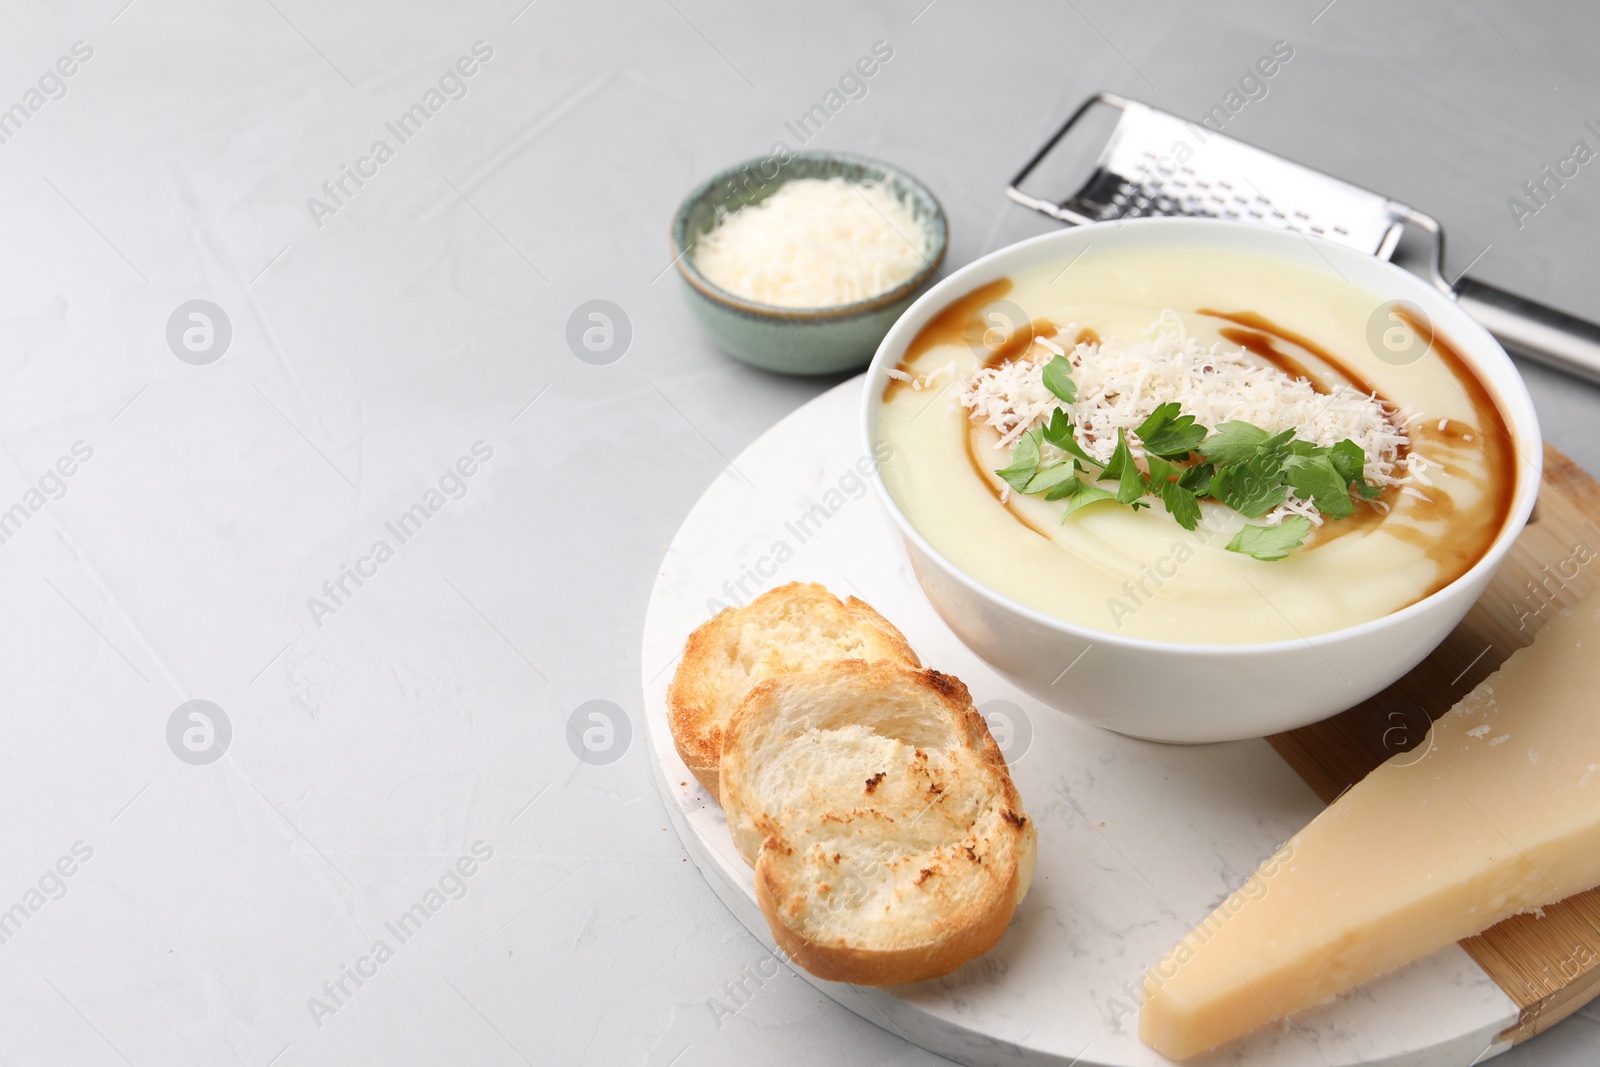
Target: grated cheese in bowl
(815, 243)
(1119, 383)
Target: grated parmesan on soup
(816, 243)
(1119, 383)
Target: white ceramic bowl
(1170, 691)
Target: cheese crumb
(814, 243)
(1479, 731)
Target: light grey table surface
(376, 339)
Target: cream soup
(1137, 573)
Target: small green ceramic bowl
(799, 340)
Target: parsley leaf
(1064, 489)
(1304, 449)
(1348, 459)
(1160, 471)
(1315, 478)
(1058, 379)
(1168, 434)
(1131, 486)
(1252, 489)
(1024, 462)
(1271, 542)
(1084, 495)
(1120, 457)
(1278, 443)
(1232, 443)
(1059, 432)
(1050, 477)
(1166, 483)
(1122, 470)
(1351, 462)
(1197, 479)
(1181, 503)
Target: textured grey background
(371, 351)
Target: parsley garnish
(1168, 434)
(1349, 461)
(1059, 432)
(1236, 464)
(1166, 481)
(1232, 443)
(1083, 494)
(1058, 379)
(1252, 488)
(1122, 469)
(1183, 505)
(1047, 478)
(1024, 462)
(1271, 542)
(1197, 479)
(1314, 477)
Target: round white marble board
(1137, 841)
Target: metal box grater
(1135, 175)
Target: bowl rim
(678, 238)
(1470, 338)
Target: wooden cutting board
(1549, 966)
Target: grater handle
(1528, 329)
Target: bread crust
(934, 929)
(709, 684)
(841, 962)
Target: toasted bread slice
(888, 840)
(795, 627)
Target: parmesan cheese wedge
(1428, 849)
